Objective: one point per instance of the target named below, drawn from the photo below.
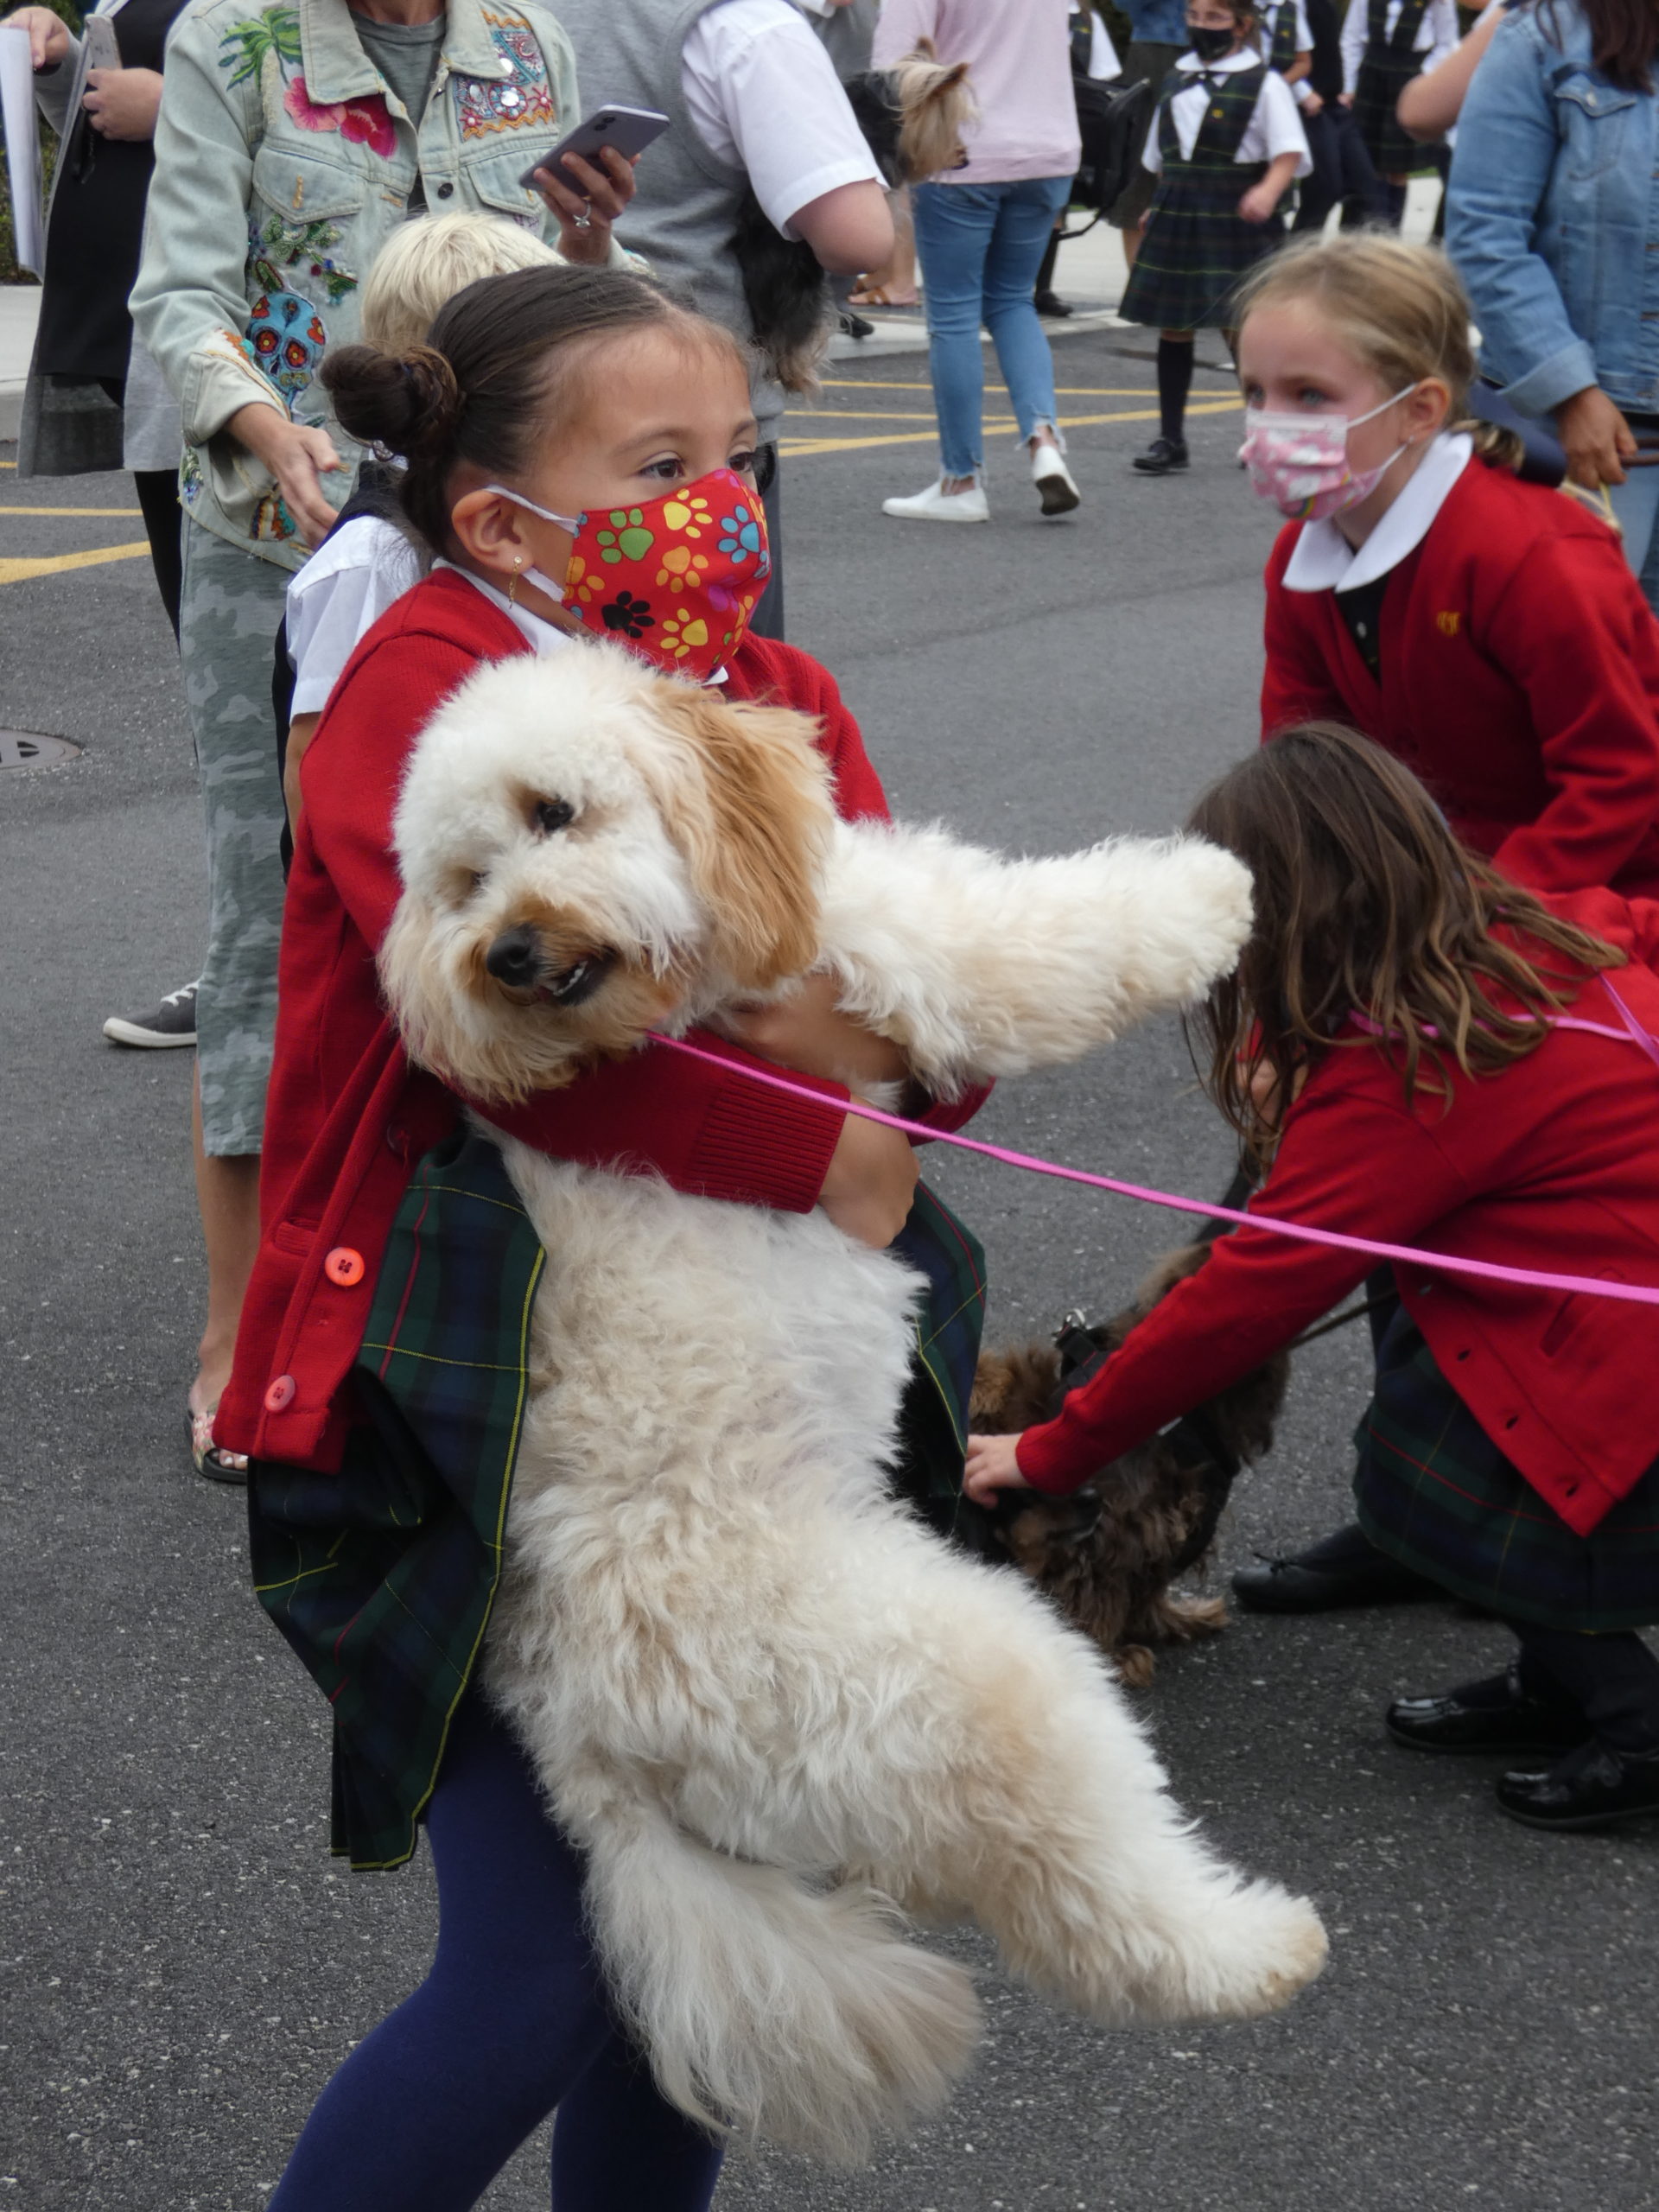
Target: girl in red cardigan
(1487, 632)
(1464, 1070)
(580, 458)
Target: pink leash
(1488, 1270)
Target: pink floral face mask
(1300, 461)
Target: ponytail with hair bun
(405, 403)
(501, 361)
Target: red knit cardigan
(1519, 678)
(1550, 1163)
(347, 1115)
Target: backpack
(1112, 121)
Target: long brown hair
(1365, 903)
(1624, 39)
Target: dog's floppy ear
(755, 843)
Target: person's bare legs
(227, 1197)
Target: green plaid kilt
(1434, 1491)
(382, 1577)
(1197, 247)
(1384, 73)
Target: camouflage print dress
(283, 160)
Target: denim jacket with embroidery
(1553, 217)
(283, 161)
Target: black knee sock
(1174, 382)
(1614, 1678)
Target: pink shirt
(1019, 59)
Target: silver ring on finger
(581, 222)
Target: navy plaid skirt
(382, 1577)
(1383, 77)
(1198, 248)
(1434, 1492)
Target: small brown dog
(1108, 1553)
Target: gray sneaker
(174, 1022)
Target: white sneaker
(937, 505)
(1053, 479)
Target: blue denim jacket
(1553, 219)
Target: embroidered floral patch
(508, 102)
(272, 520)
(243, 48)
(275, 245)
(190, 476)
(366, 121)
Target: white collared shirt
(1274, 129)
(544, 637)
(1323, 560)
(1436, 35)
(764, 97)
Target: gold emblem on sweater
(1448, 622)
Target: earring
(512, 581)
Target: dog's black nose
(515, 958)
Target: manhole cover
(24, 748)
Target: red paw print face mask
(676, 579)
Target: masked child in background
(1227, 142)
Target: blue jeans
(1635, 502)
(511, 2020)
(980, 247)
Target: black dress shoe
(1294, 1585)
(1161, 457)
(1049, 303)
(1491, 1716)
(1594, 1787)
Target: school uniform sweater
(1519, 678)
(349, 1115)
(1550, 1163)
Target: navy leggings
(510, 2021)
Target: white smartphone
(630, 130)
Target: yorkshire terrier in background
(911, 117)
(1108, 1554)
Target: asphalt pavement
(185, 1966)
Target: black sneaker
(174, 1022)
(856, 326)
(1161, 457)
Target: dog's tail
(768, 2007)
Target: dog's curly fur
(772, 1710)
(911, 117)
(1108, 1554)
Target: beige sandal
(206, 1455)
(879, 296)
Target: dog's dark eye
(553, 814)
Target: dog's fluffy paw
(1210, 889)
(1246, 1954)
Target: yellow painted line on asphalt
(70, 511)
(22, 572)
(798, 448)
(1065, 390)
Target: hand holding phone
(629, 130)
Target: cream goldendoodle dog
(775, 1711)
